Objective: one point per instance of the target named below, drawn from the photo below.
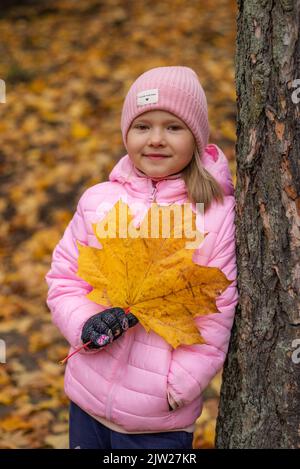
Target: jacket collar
(171, 189)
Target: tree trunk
(260, 393)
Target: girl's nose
(156, 137)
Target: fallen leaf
(60, 441)
(14, 440)
(14, 422)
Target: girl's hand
(173, 405)
(107, 326)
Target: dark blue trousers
(87, 433)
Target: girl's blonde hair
(202, 187)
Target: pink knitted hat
(175, 89)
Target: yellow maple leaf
(150, 270)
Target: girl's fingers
(132, 319)
(124, 323)
(99, 340)
(101, 327)
(103, 340)
(121, 323)
(110, 335)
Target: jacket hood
(172, 189)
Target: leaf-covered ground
(67, 67)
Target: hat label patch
(147, 97)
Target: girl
(137, 391)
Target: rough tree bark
(260, 393)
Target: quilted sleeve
(67, 292)
(193, 367)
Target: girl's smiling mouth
(154, 156)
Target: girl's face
(160, 132)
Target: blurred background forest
(68, 65)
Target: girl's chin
(155, 174)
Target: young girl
(137, 391)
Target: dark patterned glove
(107, 326)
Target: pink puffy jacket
(127, 381)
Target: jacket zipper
(153, 194)
(120, 370)
(126, 352)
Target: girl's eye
(174, 127)
(139, 126)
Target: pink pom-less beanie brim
(175, 89)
